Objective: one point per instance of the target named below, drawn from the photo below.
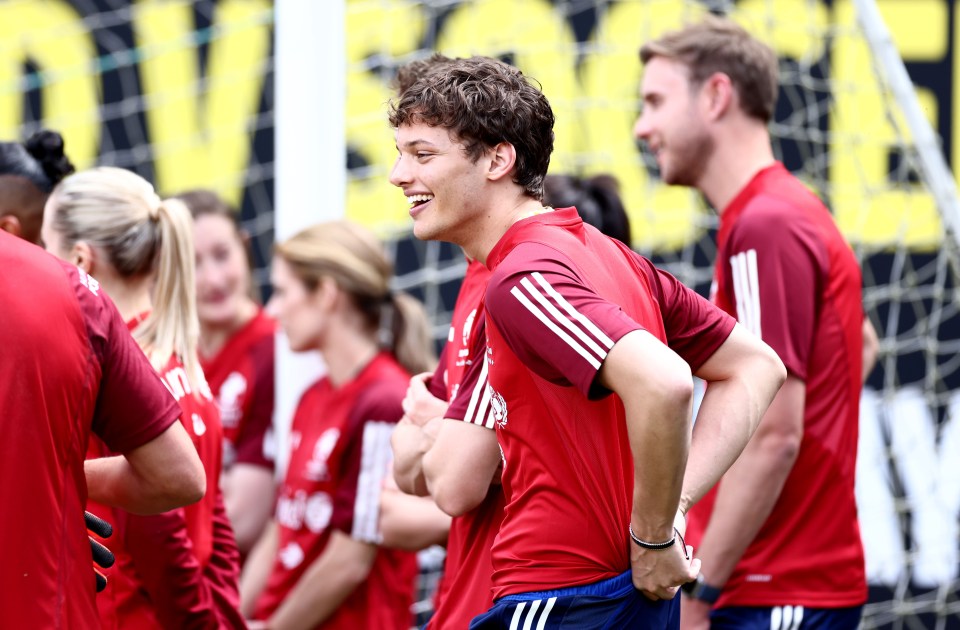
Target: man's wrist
(699, 589)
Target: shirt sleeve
(437, 384)
(694, 327)
(772, 274)
(472, 402)
(133, 405)
(168, 569)
(366, 461)
(251, 445)
(223, 569)
(557, 326)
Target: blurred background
(183, 93)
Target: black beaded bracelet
(655, 546)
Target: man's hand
(659, 573)
(101, 555)
(419, 405)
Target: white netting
(182, 93)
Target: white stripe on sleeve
(588, 335)
(375, 459)
(746, 289)
(479, 410)
(572, 312)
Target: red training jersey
(465, 589)
(180, 568)
(241, 378)
(785, 271)
(69, 366)
(340, 454)
(560, 296)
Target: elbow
(456, 498)
(785, 448)
(677, 389)
(454, 504)
(186, 484)
(772, 368)
(454, 493)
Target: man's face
(671, 123)
(443, 186)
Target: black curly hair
(40, 159)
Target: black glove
(101, 555)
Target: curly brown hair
(484, 102)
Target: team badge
(499, 407)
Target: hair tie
(154, 205)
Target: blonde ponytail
(173, 328)
(119, 213)
(410, 339)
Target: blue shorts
(611, 604)
(785, 618)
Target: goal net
(182, 92)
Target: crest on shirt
(316, 468)
(232, 390)
(499, 407)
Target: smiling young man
(781, 548)
(589, 355)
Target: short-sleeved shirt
(160, 560)
(68, 365)
(465, 589)
(560, 296)
(784, 270)
(241, 377)
(340, 455)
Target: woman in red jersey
(319, 563)
(237, 355)
(178, 569)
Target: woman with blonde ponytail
(319, 562)
(178, 569)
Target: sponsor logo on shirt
(758, 577)
(88, 281)
(314, 511)
(199, 428)
(499, 407)
(291, 556)
(231, 392)
(177, 383)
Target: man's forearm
(751, 487)
(658, 405)
(409, 445)
(745, 499)
(727, 418)
(743, 376)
